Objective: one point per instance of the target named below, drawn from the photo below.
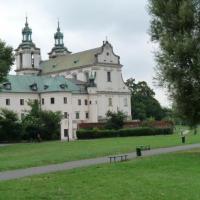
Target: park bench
(118, 158)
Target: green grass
(165, 177)
(37, 154)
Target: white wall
(118, 104)
(15, 101)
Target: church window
(7, 102)
(77, 115)
(87, 115)
(32, 59)
(65, 115)
(20, 60)
(56, 41)
(21, 102)
(109, 101)
(66, 132)
(42, 101)
(7, 86)
(79, 102)
(107, 54)
(108, 76)
(52, 100)
(65, 100)
(86, 102)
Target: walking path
(19, 173)
(3, 145)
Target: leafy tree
(51, 124)
(175, 25)
(10, 127)
(6, 60)
(44, 123)
(115, 120)
(143, 103)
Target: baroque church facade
(83, 86)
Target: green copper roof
(70, 61)
(39, 84)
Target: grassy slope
(171, 176)
(37, 154)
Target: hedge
(140, 131)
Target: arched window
(32, 60)
(20, 60)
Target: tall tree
(37, 121)
(10, 127)
(143, 103)
(6, 60)
(175, 25)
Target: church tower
(27, 55)
(59, 49)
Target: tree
(143, 103)
(10, 127)
(37, 121)
(175, 25)
(115, 120)
(6, 60)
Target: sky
(85, 24)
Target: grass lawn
(37, 154)
(165, 177)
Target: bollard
(138, 151)
(183, 139)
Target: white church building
(83, 85)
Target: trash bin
(183, 139)
(138, 151)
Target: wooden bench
(118, 158)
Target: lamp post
(68, 126)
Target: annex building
(83, 85)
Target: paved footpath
(19, 173)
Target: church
(83, 86)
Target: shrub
(115, 120)
(141, 131)
(10, 128)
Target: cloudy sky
(85, 24)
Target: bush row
(141, 131)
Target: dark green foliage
(50, 129)
(175, 25)
(44, 123)
(6, 60)
(141, 131)
(115, 120)
(10, 128)
(143, 103)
